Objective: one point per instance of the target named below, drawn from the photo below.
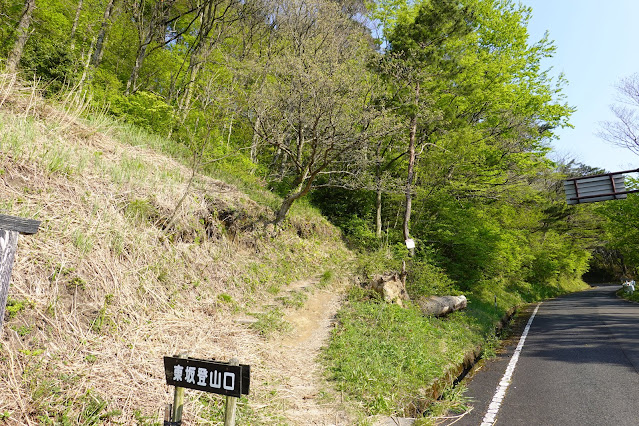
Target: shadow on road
(592, 326)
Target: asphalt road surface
(578, 365)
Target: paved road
(579, 366)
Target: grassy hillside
(104, 290)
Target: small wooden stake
(231, 403)
(168, 413)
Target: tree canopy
(427, 120)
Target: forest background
(428, 121)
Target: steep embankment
(104, 290)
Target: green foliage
(377, 262)
(53, 406)
(352, 211)
(103, 320)
(634, 297)
(621, 232)
(286, 105)
(327, 278)
(144, 109)
(224, 298)
(23, 330)
(426, 279)
(15, 306)
(52, 61)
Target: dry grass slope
(102, 292)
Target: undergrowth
(634, 296)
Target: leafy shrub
(425, 279)
(377, 262)
(51, 61)
(144, 109)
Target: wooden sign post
(10, 227)
(224, 378)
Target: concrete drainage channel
(454, 376)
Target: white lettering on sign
(202, 374)
(177, 372)
(190, 374)
(216, 380)
(229, 376)
(205, 377)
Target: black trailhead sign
(208, 376)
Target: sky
(597, 45)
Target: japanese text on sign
(207, 376)
(216, 379)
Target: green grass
(295, 299)
(129, 169)
(82, 241)
(327, 278)
(270, 322)
(387, 357)
(141, 211)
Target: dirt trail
(293, 357)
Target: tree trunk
(378, 199)
(304, 187)
(139, 59)
(284, 208)
(74, 27)
(99, 44)
(23, 34)
(193, 71)
(378, 205)
(255, 141)
(207, 18)
(284, 160)
(441, 305)
(411, 168)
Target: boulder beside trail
(441, 305)
(391, 287)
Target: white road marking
(491, 415)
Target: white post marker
(500, 393)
